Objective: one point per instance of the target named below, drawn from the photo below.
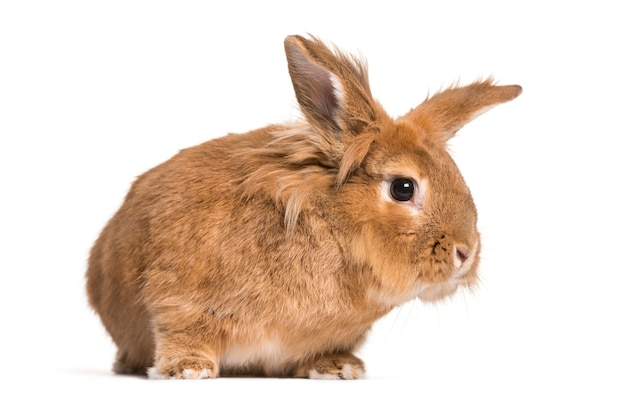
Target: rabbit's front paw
(340, 366)
(187, 369)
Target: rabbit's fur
(273, 252)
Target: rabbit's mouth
(465, 263)
(435, 292)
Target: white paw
(154, 374)
(316, 375)
(351, 373)
(188, 374)
(347, 373)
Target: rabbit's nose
(460, 256)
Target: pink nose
(461, 255)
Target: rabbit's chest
(267, 354)
(272, 348)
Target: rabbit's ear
(332, 88)
(443, 114)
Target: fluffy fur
(273, 252)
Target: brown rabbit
(273, 252)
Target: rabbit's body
(282, 296)
(273, 252)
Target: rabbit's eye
(402, 189)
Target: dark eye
(402, 189)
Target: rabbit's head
(397, 199)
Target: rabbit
(273, 252)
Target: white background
(94, 93)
